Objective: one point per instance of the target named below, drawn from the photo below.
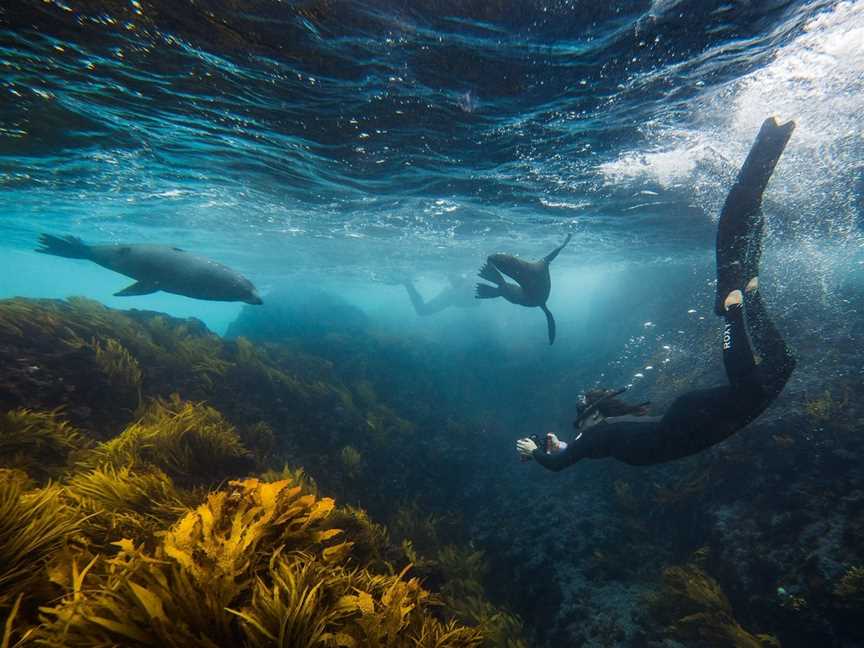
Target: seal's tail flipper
(490, 273)
(485, 291)
(549, 258)
(550, 321)
(70, 247)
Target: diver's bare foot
(752, 285)
(734, 298)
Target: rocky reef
(145, 498)
(153, 470)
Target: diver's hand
(525, 447)
(554, 443)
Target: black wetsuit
(699, 419)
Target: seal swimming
(532, 277)
(158, 267)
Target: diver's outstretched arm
(549, 258)
(739, 231)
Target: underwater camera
(542, 441)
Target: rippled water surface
(371, 138)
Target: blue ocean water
(347, 145)
(350, 141)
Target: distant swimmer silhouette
(532, 277)
(158, 267)
(702, 418)
(458, 294)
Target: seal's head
(245, 291)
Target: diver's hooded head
(598, 404)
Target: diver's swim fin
(485, 291)
(764, 155)
(550, 321)
(138, 288)
(739, 231)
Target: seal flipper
(138, 288)
(550, 321)
(70, 247)
(549, 258)
(485, 291)
(490, 273)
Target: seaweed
(254, 565)
(190, 442)
(122, 502)
(351, 460)
(33, 526)
(826, 407)
(118, 364)
(37, 442)
(692, 609)
(457, 572)
(9, 627)
(264, 406)
(849, 590)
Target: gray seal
(158, 267)
(533, 283)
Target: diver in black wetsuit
(702, 418)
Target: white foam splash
(817, 79)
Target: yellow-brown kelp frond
(33, 525)
(391, 614)
(370, 539)
(37, 442)
(70, 321)
(500, 629)
(463, 595)
(207, 562)
(850, 590)
(351, 460)
(310, 604)
(694, 611)
(188, 349)
(10, 632)
(296, 476)
(254, 565)
(230, 526)
(305, 602)
(261, 440)
(190, 442)
(460, 571)
(434, 634)
(420, 527)
(118, 364)
(121, 502)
